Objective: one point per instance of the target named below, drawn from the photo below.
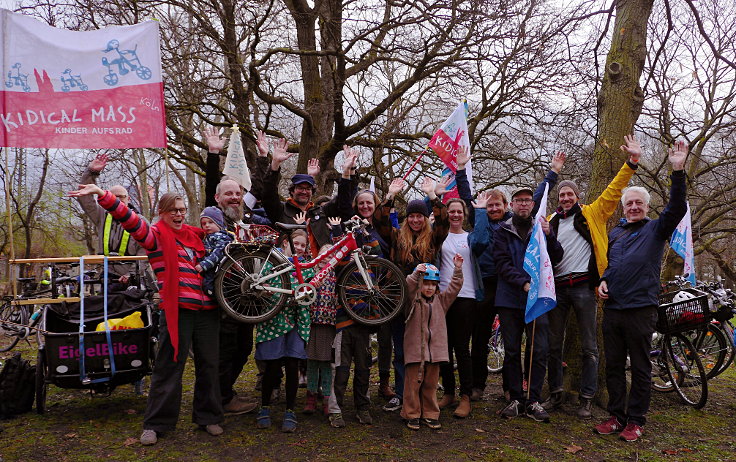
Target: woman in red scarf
(189, 318)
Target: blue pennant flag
(541, 297)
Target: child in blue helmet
(425, 342)
(212, 222)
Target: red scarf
(187, 236)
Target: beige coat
(429, 316)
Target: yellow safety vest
(106, 238)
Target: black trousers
(483, 315)
(629, 332)
(354, 348)
(236, 344)
(199, 330)
(459, 331)
(512, 330)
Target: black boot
(584, 411)
(553, 402)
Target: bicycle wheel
(727, 332)
(376, 305)
(712, 347)
(11, 319)
(495, 352)
(242, 293)
(661, 380)
(686, 370)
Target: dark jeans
(199, 330)
(629, 332)
(459, 330)
(236, 344)
(385, 347)
(483, 315)
(397, 335)
(580, 299)
(355, 348)
(512, 329)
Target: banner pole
(10, 221)
(531, 362)
(421, 154)
(166, 167)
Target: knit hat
(214, 214)
(417, 206)
(570, 184)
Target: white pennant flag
(235, 165)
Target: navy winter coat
(635, 253)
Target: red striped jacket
(191, 289)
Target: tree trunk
(619, 105)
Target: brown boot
(447, 400)
(463, 410)
(384, 389)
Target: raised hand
(300, 218)
(261, 143)
(279, 153)
(458, 260)
(463, 157)
(428, 187)
(396, 186)
(351, 160)
(482, 200)
(632, 148)
(334, 221)
(558, 160)
(678, 155)
(86, 190)
(441, 187)
(421, 268)
(98, 163)
(215, 142)
(313, 167)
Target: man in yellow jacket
(581, 230)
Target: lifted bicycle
(253, 283)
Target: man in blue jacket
(509, 248)
(481, 243)
(630, 288)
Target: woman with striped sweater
(189, 319)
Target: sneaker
(511, 410)
(609, 426)
(394, 404)
(631, 433)
(434, 424)
(412, 424)
(238, 406)
(213, 429)
(553, 402)
(310, 407)
(289, 423)
(364, 417)
(264, 418)
(149, 438)
(584, 411)
(336, 420)
(476, 394)
(537, 412)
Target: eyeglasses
(525, 200)
(181, 211)
(302, 188)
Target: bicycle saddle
(289, 227)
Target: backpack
(17, 386)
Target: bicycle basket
(682, 315)
(255, 235)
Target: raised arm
(677, 205)
(215, 144)
(607, 202)
(558, 161)
(89, 176)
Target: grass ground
(78, 427)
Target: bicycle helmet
(432, 273)
(682, 295)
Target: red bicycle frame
(336, 253)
